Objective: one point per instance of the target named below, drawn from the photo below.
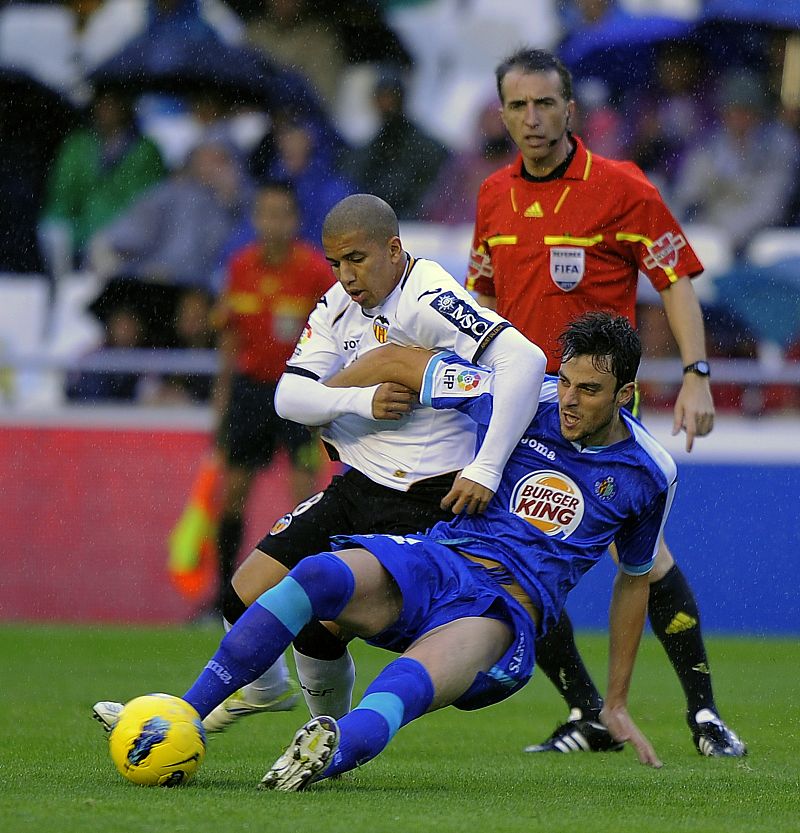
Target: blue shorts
(439, 585)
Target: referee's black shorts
(251, 431)
(353, 504)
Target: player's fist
(392, 401)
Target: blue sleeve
(637, 541)
(451, 382)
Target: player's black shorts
(353, 504)
(251, 430)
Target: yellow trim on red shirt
(646, 241)
(566, 240)
(561, 199)
(502, 240)
(588, 166)
(244, 303)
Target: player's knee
(327, 581)
(663, 564)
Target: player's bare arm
(694, 407)
(405, 367)
(627, 614)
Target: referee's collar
(578, 168)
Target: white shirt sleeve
(304, 400)
(518, 367)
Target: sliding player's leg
(437, 670)
(351, 585)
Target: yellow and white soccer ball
(158, 740)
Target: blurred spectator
(34, 120)
(455, 46)
(453, 197)
(293, 34)
(741, 177)
(672, 115)
(363, 33)
(168, 243)
(124, 330)
(193, 331)
(401, 161)
(598, 122)
(294, 153)
(271, 287)
(98, 172)
(112, 24)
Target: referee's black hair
(610, 340)
(534, 60)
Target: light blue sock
(319, 587)
(399, 694)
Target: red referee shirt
(267, 305)
(550, 251)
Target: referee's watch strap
(700, 368)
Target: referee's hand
(467, 496)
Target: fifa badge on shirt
(567, 265)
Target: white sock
(270, 685)
(327, 683)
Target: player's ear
(395, 249)
(625, 395)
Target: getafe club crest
(380, 326)
(567, 264)
(606, 488)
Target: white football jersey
(430, 309)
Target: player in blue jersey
(463, 604)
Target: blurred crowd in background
(136, 135)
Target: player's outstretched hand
(392, 401)
(467, 496)
(622, 728)
(694, 409)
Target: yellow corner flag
(192, 561)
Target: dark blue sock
(399, 694)
(319, 587)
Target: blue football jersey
(558, 506)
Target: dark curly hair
(610, 340)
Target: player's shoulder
(650, 451)
(307, 253)
(426, 277)
(334, 303)
(243, 260)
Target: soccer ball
(158, 740)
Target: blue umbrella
(621, 48)
(188, 58)
(784, 14)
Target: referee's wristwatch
(700, 368)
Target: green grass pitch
(449, 772)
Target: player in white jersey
(465, 602)
(403, 459)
